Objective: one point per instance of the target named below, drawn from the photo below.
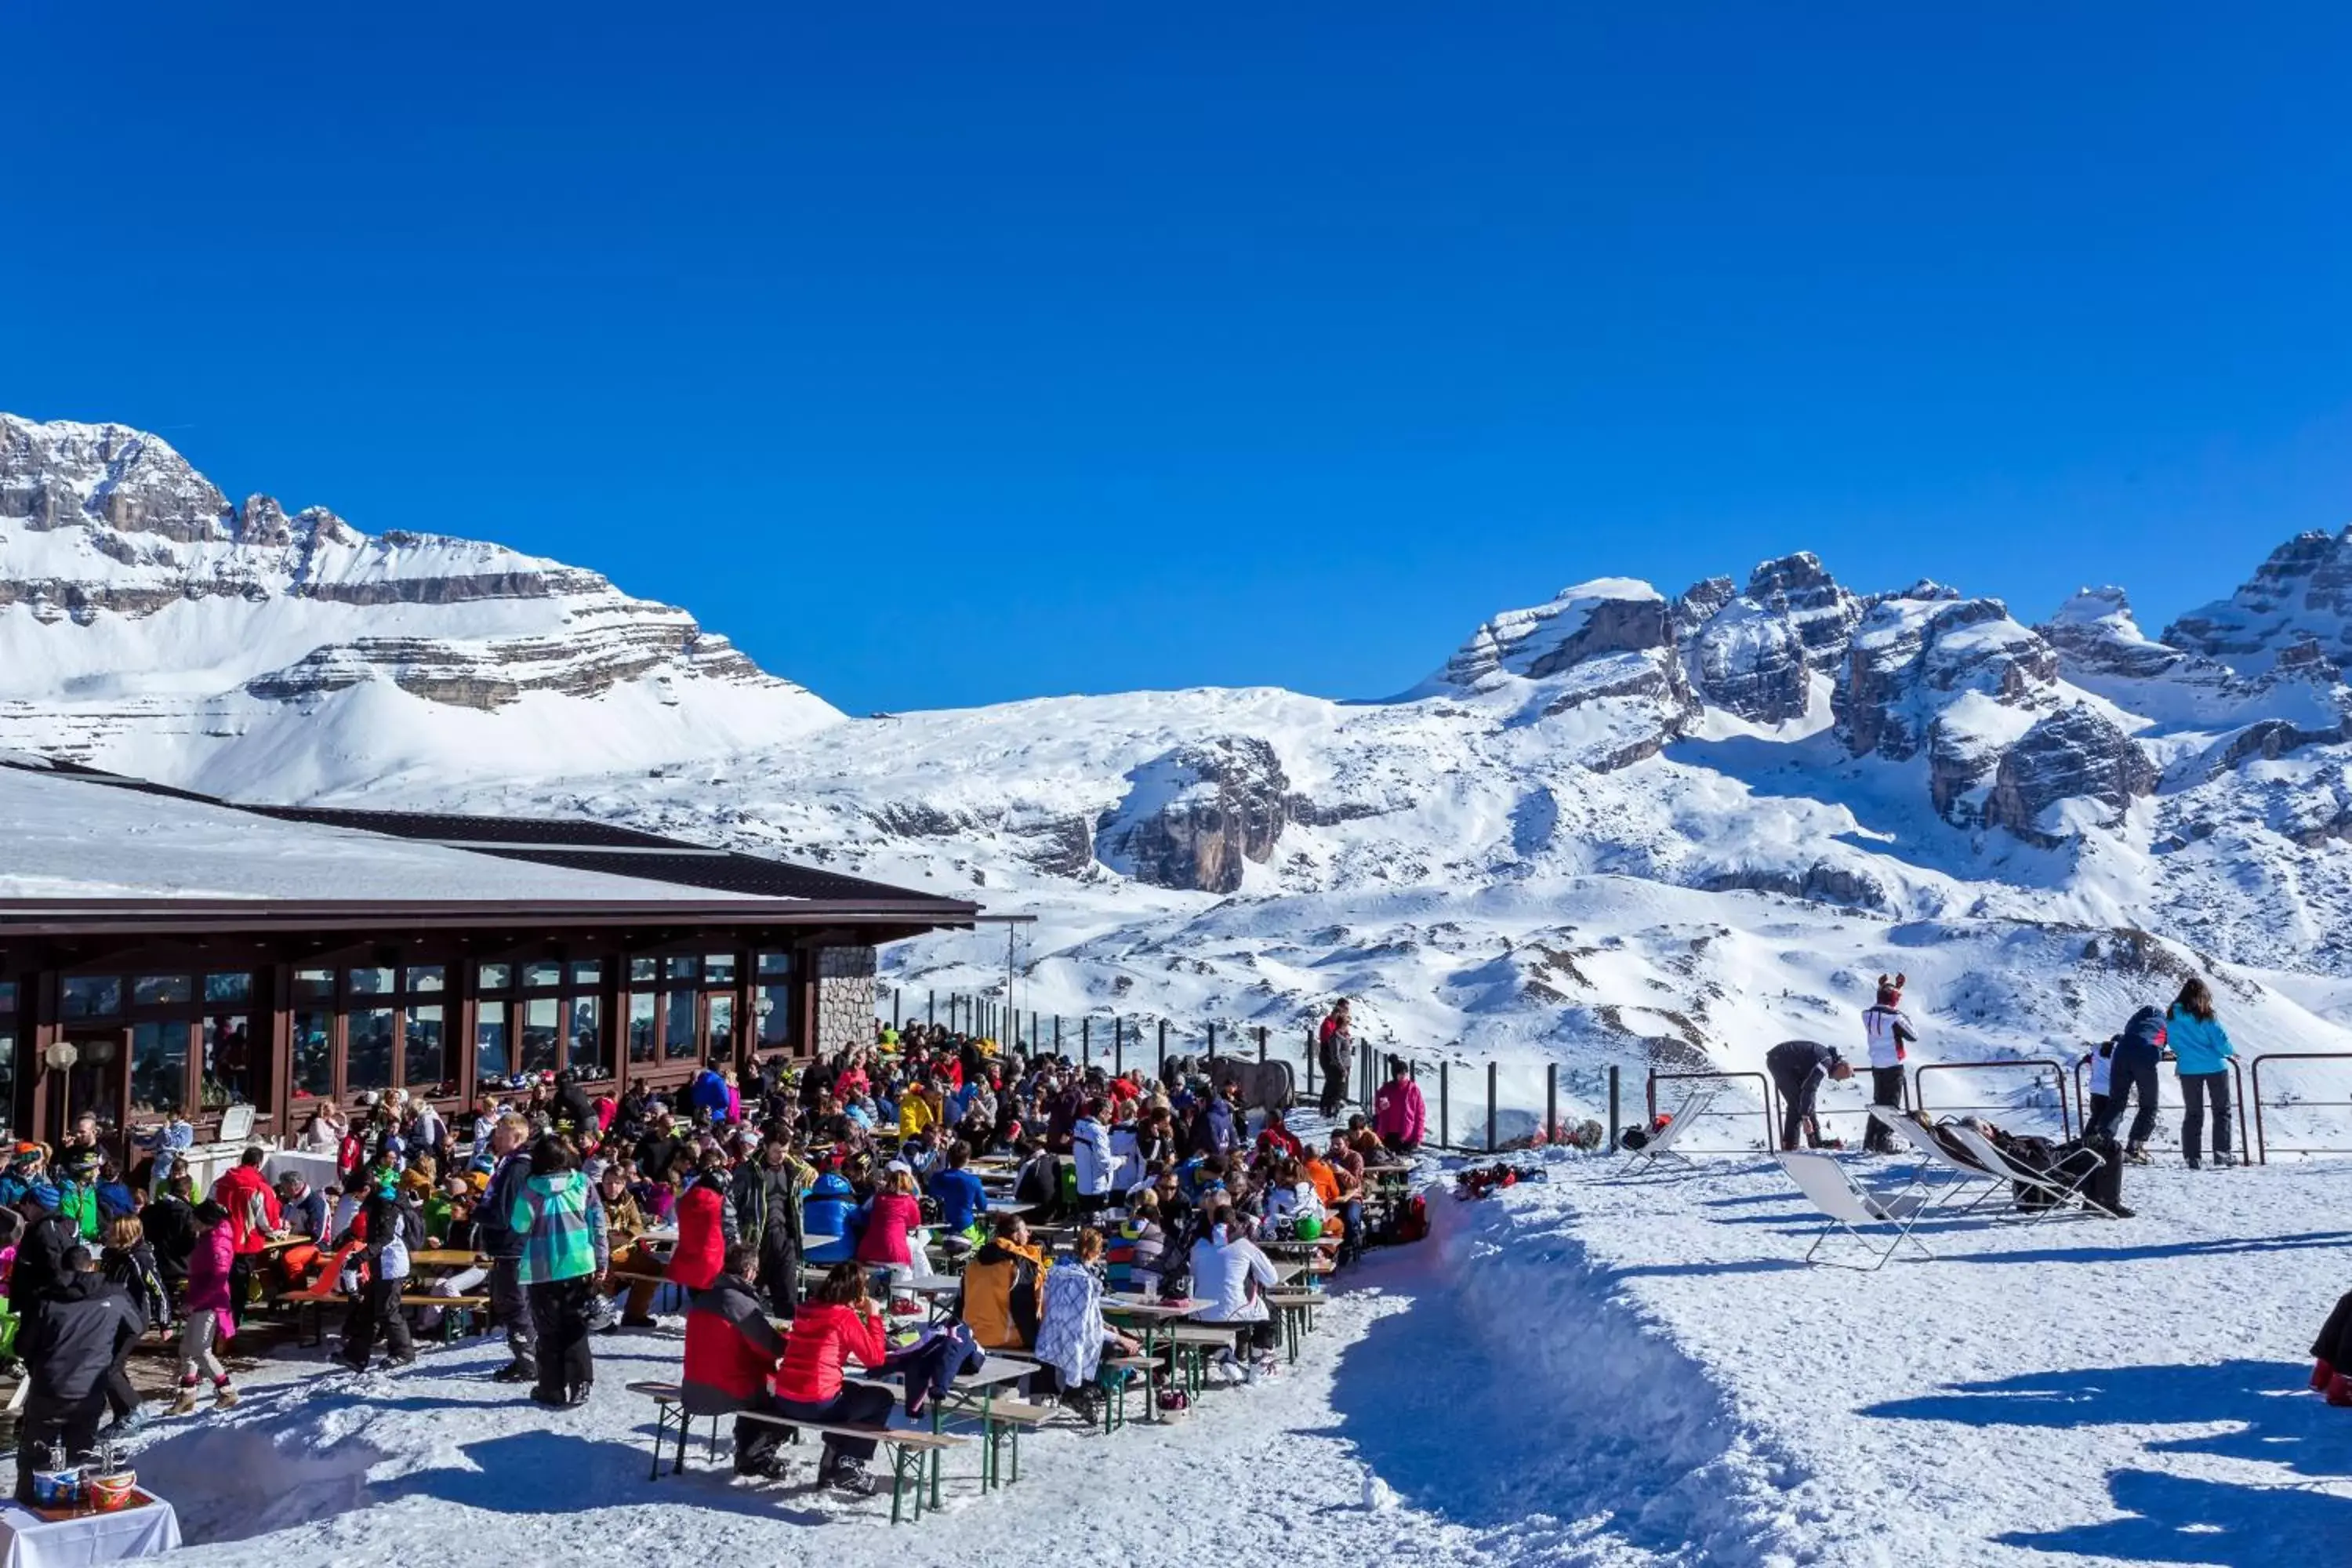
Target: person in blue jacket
(825, 1211)
(962, 1198)
(2133, 1072)
(2203, 1050)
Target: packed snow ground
(2080, 1392)
(1579, 1372)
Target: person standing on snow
(1334, 1042)
(1798, 1069)
(1398, 1114)
(2202, 1051)
(2133, 1071)
(1888, 1030)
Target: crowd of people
(579, 1204)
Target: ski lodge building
(165, 955)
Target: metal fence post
(1057, 1034)
(1551, 1102)
(1310, 1059)
(1613, 1105)
(1261, 1045)
(1163, 1050)
(1444, 1110)
(931, 1008)
(1490, 1107)
(1213, 1040)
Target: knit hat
(1890, 991)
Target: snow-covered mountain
(1618, 823)
(148, 623)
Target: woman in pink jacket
(1398, 1114)
(209, 1322)
(891, 1219)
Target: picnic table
(1150, 1314)
(985, 1388)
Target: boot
(2194, 1162)
(2322, 1375)
(523, 1369)
(186, 1405)
(850, 1477)
(2137, 1154)
(2339, 1392)
(224, 1397)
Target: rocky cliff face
(1193, 816)
(2298, 602)
(137, 605)
(1753, 653)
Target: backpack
(2040, 1156)
(2094, 1167)
(1412, 1224)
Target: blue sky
(946, 353)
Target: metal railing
(1707, 1112)
(2262, 1144)
(2057, 1076)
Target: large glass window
(426, 977)
(231, 1075)
(425, 1065)
(494, 976)
(159, 1068)
(587, 1049)
(541, 976)
(8, 1045)
(372, 981)
(314, 984)
(92, 996)
(772, 1002)
(367, 1050)
(227, 989)
(719, 969)
(723, 1029)
(161, 991)
(677, 1027)
(314, 1055)
(641, 1026)
(492, 1064)
(541, 1024)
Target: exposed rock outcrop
(2076, 754)
(1194, 816)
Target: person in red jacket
(732, 1349)
(837, 1326)
(706, 1225)
(254, 1218)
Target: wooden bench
(908, 1450)
(1191, 1343)
(1297, 1314)
(470, 1305)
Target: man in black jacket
(85, 1322)
(1799, 1069)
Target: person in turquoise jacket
(2201, 1048)
(565, 1247)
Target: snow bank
(2109, 1392)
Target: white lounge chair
(1925, 1143)
(2062, 1194)
(1661, 1146)
(1846, 1207)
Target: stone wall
(844, 997)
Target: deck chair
(1846, 1207)
(1936, 1157)
(1661, 1148)
(2064, 1194)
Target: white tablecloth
(319, 1171)
(27, 1541)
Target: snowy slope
(1616, 826)
(148, 625)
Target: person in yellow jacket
(1004, 1288)
(919, 1111)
